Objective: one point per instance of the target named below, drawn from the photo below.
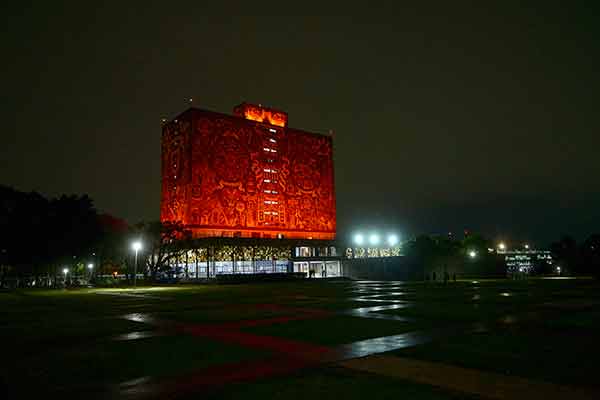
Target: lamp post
(137, 246)
(90, 268)
(65, 271)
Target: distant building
(526, 261)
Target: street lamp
(392, 240)
(65, 271)
(359, 239)
(472, 254)
(90, 268)
(374, 239)
(502, 246)
(136, 246)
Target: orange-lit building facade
(247, 175)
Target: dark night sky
(479, 117)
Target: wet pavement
(286, 356)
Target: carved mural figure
(248, 174)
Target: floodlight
(359, 239)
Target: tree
(566, 254)
(163, 242)
(590, 255)
(40, 236)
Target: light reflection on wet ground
(291, 355)
(138, 335)
(368, 347)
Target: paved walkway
(289, 355)
(485, 384)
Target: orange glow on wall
(226, 176)
(261, 114)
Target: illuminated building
(254, 193)
(527, 261)
(247, 175)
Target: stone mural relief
(225, 172)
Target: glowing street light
(90, 268)
(359, 239)
(392, 240)
(373, 239)
(136, 246)
(65, 271)
(502, 246)
(526, 246)
(472, 254)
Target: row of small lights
(502, 246)
(374, 239)
(135, 246)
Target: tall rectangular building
(247, 175)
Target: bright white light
(136, 246)
(359, 239)
(526, 247)
(373, 239)
(558, 269)
(392, 240)
(65, 270)
(272, 130)
(501, 246)
(472, 254)
(90, 266)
